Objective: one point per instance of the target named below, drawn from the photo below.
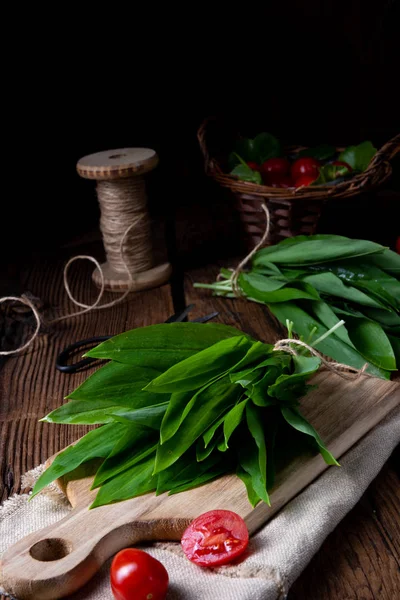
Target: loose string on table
(120, 202)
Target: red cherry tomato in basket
(253, 165)
(135, 575)
(305, 180)
(305, 166)
(283, 181)
(275, 166)
(215, 538)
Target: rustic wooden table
(359, 560)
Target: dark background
(74, 83)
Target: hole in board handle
(50, 549)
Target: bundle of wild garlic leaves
(183, 403)
(318, 280)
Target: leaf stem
(328, 333)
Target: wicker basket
(293, 211)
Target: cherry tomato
(341, 163)
(283, 181)
(275, 166)
(135, 575)
(305, 180)
(253, 165)
(215, 538)
(398, 245)
(305, 166)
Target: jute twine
(121, 201)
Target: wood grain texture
(30, 386)
(341, 411)
(361, 559)
(117, 163)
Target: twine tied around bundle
(344, 371)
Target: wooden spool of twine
(124, 222)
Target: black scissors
(64, 356)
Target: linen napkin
(278, 552)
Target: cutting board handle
(56, 561)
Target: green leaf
(120, 382)
(395, 342)
(246, 173)
(135, 481)
(211, 403)
(329, 173)
(260, 288)
(184, 471)
(136, 444)
(314, 251)
(296, 420)
(196, 371)
(331, 285)
(248, 456)
(266, 146)
(178, 407)
(327, 317)
(358, 157)
(387, 260)
(288, 387)
(252, 495)
(321, 152)
(372, 342)
(257, 351)
(254, 417)
(233, 419)
(84, 412)
(95, 444)
(259, 392)
(204, 452)
(150, 416)
(210, 432)
(244, 148)
(162, 346)
(212, 473)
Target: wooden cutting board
(58, 560)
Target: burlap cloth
(278, 553)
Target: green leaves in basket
(258, 150)
(314, 281)
(330, 174)
(358, 157)
(246, 173)
(321, 152)
(174, 423)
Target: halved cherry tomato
(305, 180)
(215, 538)
(275, 166)
(305, 166)
(276, 181)
(253, 165)
(135, 575)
